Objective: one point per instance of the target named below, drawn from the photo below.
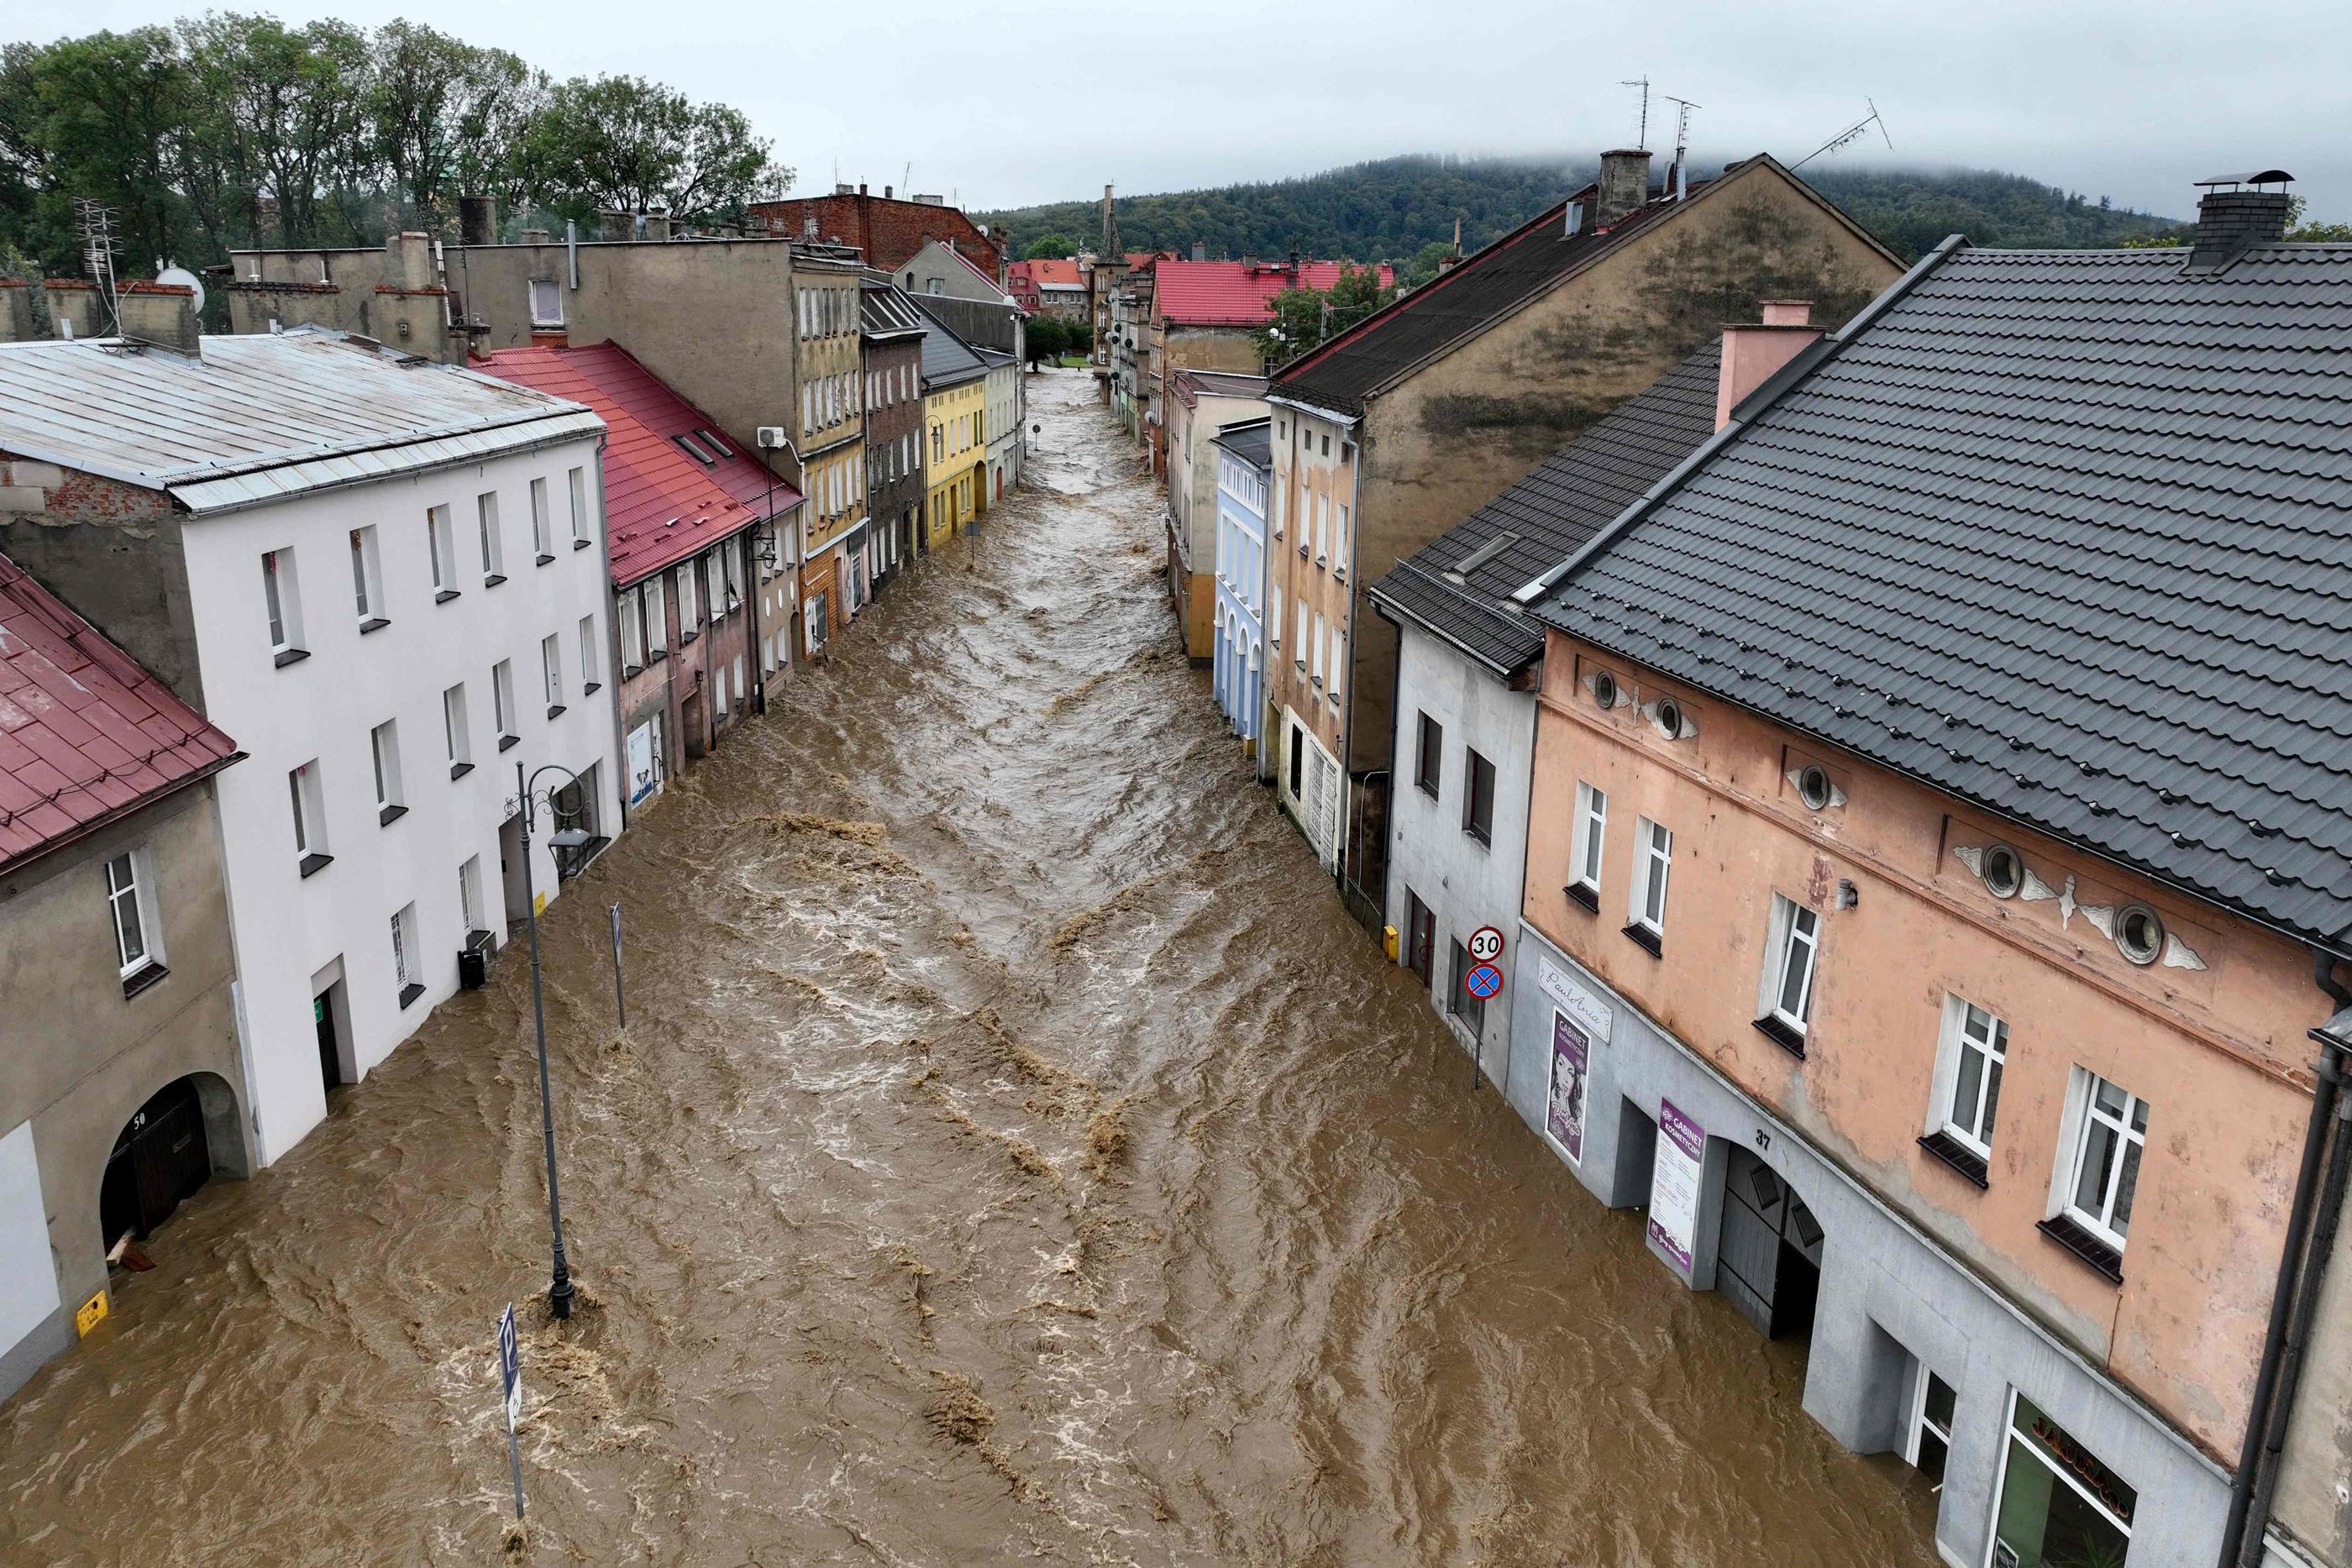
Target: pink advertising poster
(1674, 1182)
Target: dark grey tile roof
(1251, 440)
(2067, 534)
(1545, 517)
(1487, 285)
(1221, 384)
(884, 310)
(947, 359)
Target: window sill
(374, 624)
(631, 671)
(1426, 787)
(546, 560)
(555, 710)
(1776, 1029)
(459, 769)
(386, 816)
(508, 742)
(591, 688)
(2100, 1258)
(493, 580)
(685, 637)
(1958, 1156)
(578, 544)
(312, 864)
(142, 978)
(657, 656)
(1647, 940)
(1584, 896)
(1485, 841)
(409, 994)
(445, 596)
(291, 656)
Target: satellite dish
(182, 278)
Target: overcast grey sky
(1011, 103)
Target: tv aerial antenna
(1683, 107)
(96, 221)
(1849, 135)
(1642, 133)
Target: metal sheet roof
(257, 418)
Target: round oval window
(1813, 787)
(2139, 932)
(2004, 874)
(1670, 716)
(1604, 689)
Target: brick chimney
(478, 220)
(658, 223)
(75, 309)
(15, 310)
(1200, 251)
(1752, 354)
(2232, 221)
(408, 261)
(612, 223)
(163, 314)
(1624, 184)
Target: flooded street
(980, 1180)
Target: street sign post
(510, 1373)
(1486, 944)
(1483, 981)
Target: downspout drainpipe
(2333, 1034)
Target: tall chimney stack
(15, 310)
(1624, 186)
(2231, 221)
(163, 314)
(1754, 353)
(613, 223)
(478, 220)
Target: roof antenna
(1677, 181)
(96, 221)
(1641, 136)
(1850, 133)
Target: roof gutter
(1750, 408)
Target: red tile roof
(661, 506)
(1053, 273)
(86, 733)
(1236, 294)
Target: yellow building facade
(955, 447)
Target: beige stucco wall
(1302, 471)
(2219, 1052)
(2315, 1490)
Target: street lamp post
(559, 1291)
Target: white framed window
(1969, 1059)
(441, 544)
(689, 608)
(631, 609)
(384, 751)
(2056, 1502)
(1927, 1439)
(1591, 837)
(546, 302)
(1791, 950)
(281, 599)
(494, 552)
(656, 618)
(579, 482)
(1274, 613)
(405, 966)
(135, 944)
(2103, 1176)
(469, 895)
(303, 787)
(367, 577)
(1338, 660)
(1298, 645)
(454, 730)
(1654, 862)
(502, 701)
(542, 535)
(1316, 673)
(551, 664)
(591, 661)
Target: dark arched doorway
(1770, 1258)
(159, 1158)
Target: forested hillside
(1392, 209)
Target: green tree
(1306, 317)
(1425, 263)
(280, 120)
(1050, 248)
(105, 114)
(446, 113)
(1048, 338)
(626, 142)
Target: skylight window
(711, 439)
(697, 454)
(1484, 553)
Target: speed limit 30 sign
(1486, 944)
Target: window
(494, 554)
(546, 303)
(2106, 1159)
(1274, 613)
(1930, 1438)
(404, 969)
(1969, 1065)
(1470, 1009)
(689, 609)
(310, 818)
(1298, 646)
(2004, 871)
(469, 897)
(502, 701)
(1591, 837)
(367, 578)
(1813, 787)
(1654, 859)
(730, 560)
(590, 663)
(551, 664)
(441, 543)
(1317, 648)
(454, 731)
(384, 749)
(657, 619)
(2139, 932)
(1419, 936)
(631, 610)
(2057, 1502)
(1338, 662)
(1428, 763)
(543, 538)
(1297, 751)
(1478, 798)
(1339, 544)
(284, 605)
(1793, 944)
(134, 932)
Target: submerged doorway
(1768, 1260)
(160, 1159)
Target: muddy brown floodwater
(1016, 1155)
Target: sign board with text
(1675, 1183)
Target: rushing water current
(1015, 1155)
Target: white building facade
(1237, 672)
(1003, 412)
